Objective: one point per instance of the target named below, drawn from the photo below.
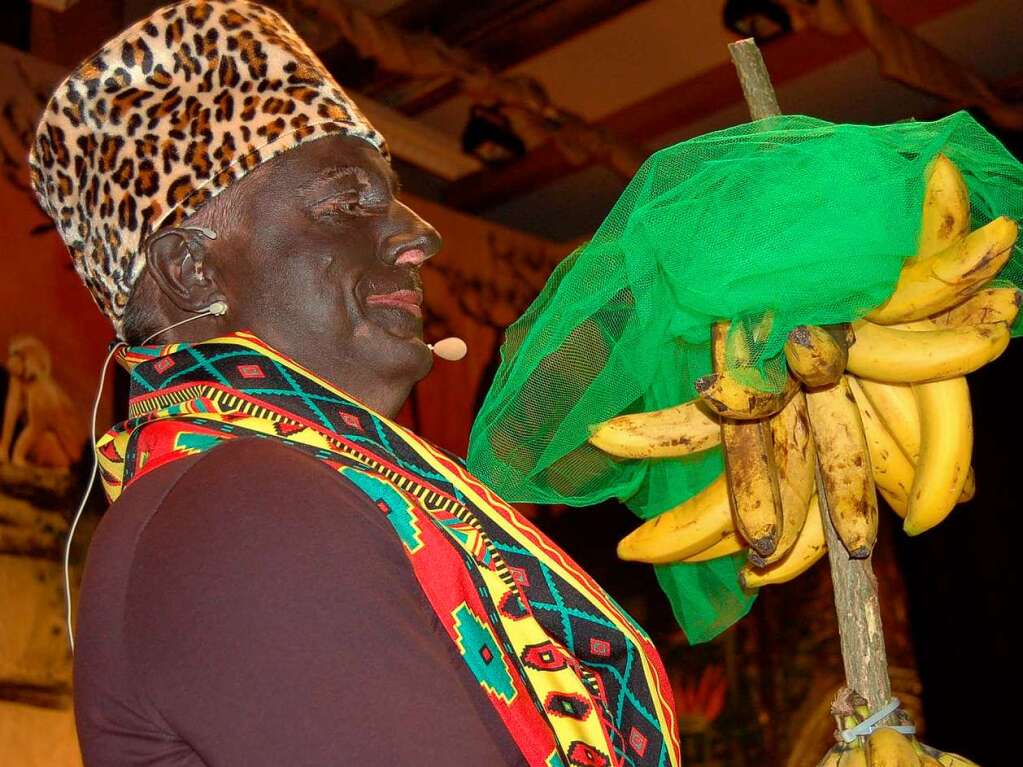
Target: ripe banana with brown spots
(946, 209)
(895, 407)
(668, 433)
(892, 469)
(816, 355)
(728, 395)
(809, 547)
(795, 459)
(685, 530)
(894, 355)
(749, 467)
(844, 462)
(932, 284)
(987, 305)
(731, 543)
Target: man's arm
(274, 619)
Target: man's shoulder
(264, 487)
(254, 493)
(258, 458)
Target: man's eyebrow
(337, 172)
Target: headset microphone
(451, 348)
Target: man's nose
(415, 242)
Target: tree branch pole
(855, 587)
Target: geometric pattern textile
(574, 679)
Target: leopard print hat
(165, 116)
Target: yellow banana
(895, 405)
(730, 543)
(749, 466)
(987, 305)
(969, 487)
(910, 356)
(926, 760)
(945, 447)
(888, 748)
(730, 397)
(831, 759)
(682, 531)
(795, 459)
(835, 754)
(930, 285)
(954, 760)
(853, 757)
(667, 433)
(896, 408)
(809, 547)
(897, 503)
(844, 462)
(946, 216)
(893, 471)
(816, 356)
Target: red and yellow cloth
(574, 678)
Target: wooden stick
(859, 616)
(756, 83)
(856, 599)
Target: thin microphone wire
(217, 308)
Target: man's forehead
(336, 156)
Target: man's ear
(176, 257)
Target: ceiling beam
(717, 88)
(425, 147)
(501, 34)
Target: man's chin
(399, 347)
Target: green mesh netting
(791, 217)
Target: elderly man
(286, 576)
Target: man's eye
(348, 204)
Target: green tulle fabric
(797, 217)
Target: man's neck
(386, 399)
(382, 394)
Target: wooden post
(756, 83)
(855, 587)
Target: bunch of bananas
(884, 747)
(881, 403)
(888, 748)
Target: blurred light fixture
(489, 136)
(763, 20)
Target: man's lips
(409, 300)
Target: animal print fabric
(165, 116)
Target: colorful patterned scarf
(574, 679)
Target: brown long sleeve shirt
(249, 606)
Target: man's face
(322, 262)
